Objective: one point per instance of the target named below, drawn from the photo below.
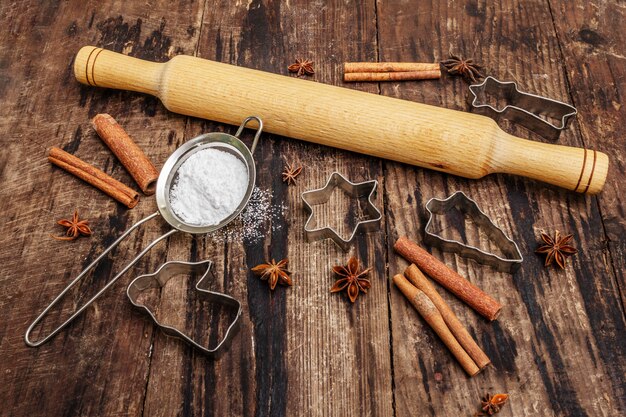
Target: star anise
(491, 405)
(290, 173)
(557, 249)
(463, 67)
(351, 279)
(274, 273)
(302, 67)
(75, 228)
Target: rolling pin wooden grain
(445, 140)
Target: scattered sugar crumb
(255, 221)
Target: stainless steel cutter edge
(525, 117)
(138, 285)
(319, 195)
(468, 206)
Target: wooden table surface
(558, 348)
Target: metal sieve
(216, 140)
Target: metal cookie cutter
(165, 273)
(466, 205)
(223, 142)
(322, 195)
(522, 108)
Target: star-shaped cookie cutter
(162, 275)
(512, 257)
(322, 195)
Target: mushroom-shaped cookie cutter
(322, 195)
(522, 108)
(159, 278)
(513, 258)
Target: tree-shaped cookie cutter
(321, 195)
(162, 275)
(513, 258)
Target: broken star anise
(302, 67)
(463, 67)
(351, 279)
(290, 173)
(75, 228)
(557, 249)
(274, 273)
(491, 405)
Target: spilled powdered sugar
(254, 222)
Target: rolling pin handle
(99, 67)
(576, 169)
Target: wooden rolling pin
(445, 140)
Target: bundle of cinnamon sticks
(390, 71)
(429, 304)
(131, 156)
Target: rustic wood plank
(549, 350)
(593, 59)
(301, 350)
(87, 369)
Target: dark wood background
(558, 348)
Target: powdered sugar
(210, 186)
(254, 223)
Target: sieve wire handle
(258, 131)
(40, 342)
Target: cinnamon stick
(392, 76)
(422, 283)
(455, 283)
(130, 155)
(389, 67)
(94, 176)
(429, 312)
